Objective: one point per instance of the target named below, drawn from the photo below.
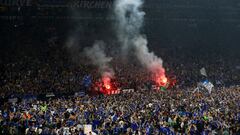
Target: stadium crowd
(26, 79)
(141, 112)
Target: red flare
(162, 81)
(107, 82)
(108, 86)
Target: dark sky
(199, 23)
(205, 22)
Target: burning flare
(106, 79)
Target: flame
(107, 82)
(108, 86)
(162, 80)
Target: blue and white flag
(204, 85)
(208, 85)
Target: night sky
(200, 23)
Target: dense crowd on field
(178, 110)
(140, 112)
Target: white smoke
(73, 49)
(98, 58)
(130, 19)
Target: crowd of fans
(141, 112)
(27, 78)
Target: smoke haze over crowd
(128, 28)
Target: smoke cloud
(130, 19)
(98, 58)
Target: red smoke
(106, 82)
(109, 85)
(160, 77)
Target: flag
(163, 88)
(87, 81)
(205, 118)
(203, 71)
(208, 85)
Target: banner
(127, 90)
(80, 94)
(48, 95)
